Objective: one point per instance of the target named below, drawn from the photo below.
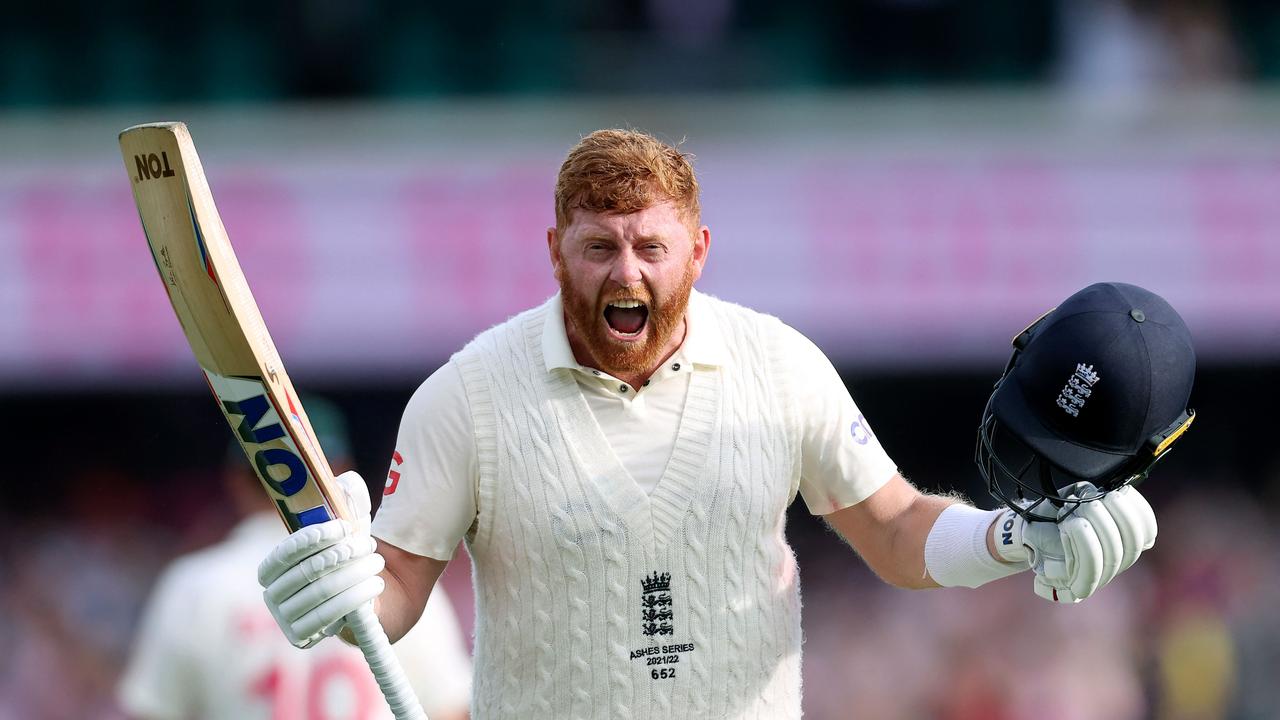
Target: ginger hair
(625, 171)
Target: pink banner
(375, 267)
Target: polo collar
(703, 343)
(555, 339)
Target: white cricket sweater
(595, 600)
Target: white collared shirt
(842, 462)
(640, 423)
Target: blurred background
(909, 182)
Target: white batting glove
(1087, 549)
(319, 574)
(1103, 538)
(1038, 544)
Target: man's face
(625, 282)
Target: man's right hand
(319, 574)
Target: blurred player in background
(620, 460)
(208, 648)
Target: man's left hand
(1100, 540)
(1091, 544)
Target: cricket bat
(229, 338)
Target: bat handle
(384, 664)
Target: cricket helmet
(1096, 390)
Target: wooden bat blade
(222, 322)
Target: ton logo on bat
(152, 166)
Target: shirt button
(622, 388)
(675, 366)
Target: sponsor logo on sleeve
(393, 476)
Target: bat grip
(386, 667)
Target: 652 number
(662, 673)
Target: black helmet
(1096, 391)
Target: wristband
(955, 553)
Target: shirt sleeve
(842, 461)
(157, 683)
(429, 499)
(434, 656)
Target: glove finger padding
(1099, 545)
(1111, 544)
(316, 593)
(318, 575)
(1135, 520)
(298, 641)
(301, 544)
(322, 563)
(324, 619)
(1083, 553)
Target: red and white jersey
(208, 648)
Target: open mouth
(627, 318)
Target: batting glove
(1091, 544)
(319, 574)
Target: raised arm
(913, 540)
(428, 503)
(890, 530)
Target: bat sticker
(272, 449)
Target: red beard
(586, 318)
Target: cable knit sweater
(595, 600)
